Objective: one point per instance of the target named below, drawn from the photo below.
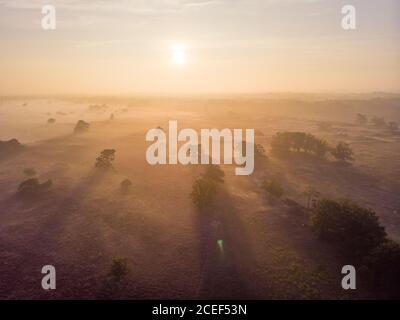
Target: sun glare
(179, 54)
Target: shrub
(353, 229)
(274, 188)
(81, 127)
(383, 265)
(343, 152)
(203, 192)
(119, 268)
(104, 160)
(214, 173)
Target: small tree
(343, 152)
(203, 192)
(81, 127)
(274, 188)
(353, 229)
(104, 160)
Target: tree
(343, 152)
(361, 119)
(81, 127)
(353, 229)
(51, 121)
(203, 192)
(104, 160)
(273, 187)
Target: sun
(179, 54)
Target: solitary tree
(104, 160)
(343, 152)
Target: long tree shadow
(226, 256)
(44, 243)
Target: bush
(203, 192)
(81, 127)
(119, 268)
(353, 229)
(33, 188)
(214, 173)
(343, 152)
(104, 160)
(383, 265)
(274, 188)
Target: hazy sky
(196, 46)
